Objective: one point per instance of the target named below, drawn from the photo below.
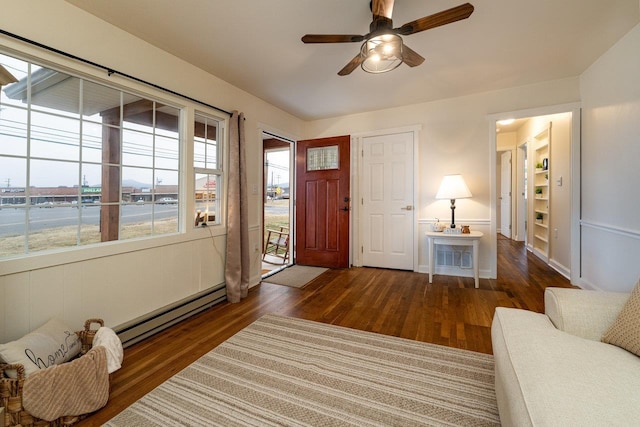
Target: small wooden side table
(454, 239)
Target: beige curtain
(237, 265)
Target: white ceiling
(255, 45)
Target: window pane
(13, 173)
(137, 183)
(205, 135)
(92, 142)
(19, 70)
(138, 113)
(49, 173)
(167, 121)
(167, 152)
(110, 185)
(137, 148)
(100, 103)
(53, 92)
(199, 153)
(166, 186)
(52, 227)
(207, 202)
(12, 231)
(90, 226)
(136, 221)
(54, 137)
(323, 158)
(13, 131)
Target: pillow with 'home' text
(51, 344)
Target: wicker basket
(11, 389)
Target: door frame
(356, 241)
(512, 210)
(264, 131)
(575, 110)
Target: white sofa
(553, 370)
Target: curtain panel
(237, 266)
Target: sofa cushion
(51, 344)
(625, 331)
(587, 314)
(547, 377)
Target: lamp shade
(453, 187)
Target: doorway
(277, 212)
(545, 182)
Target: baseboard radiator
(154, 322)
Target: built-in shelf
(541, 201)
(541, 238)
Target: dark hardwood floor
(450, 312)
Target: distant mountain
(135, 184)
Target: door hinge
(361, 249)
(362, 201)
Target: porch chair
(277, 244)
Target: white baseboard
(453, 271)
(560, 268)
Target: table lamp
(453, 187)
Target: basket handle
(19, 368)
(88, 322)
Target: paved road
(40, 218)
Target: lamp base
(453, 213)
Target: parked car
(167, 201)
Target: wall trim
(465, 221)
(634, 234)
(560, 269)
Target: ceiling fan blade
(352, 65)
(411, 57)
(382, 8)
(437, 19)
(332, 38)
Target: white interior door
(521, 194)
(387, 201)
(505, 194)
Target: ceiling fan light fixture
(381, 53)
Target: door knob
(346, 209)
(407, 208)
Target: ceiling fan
(383, 49)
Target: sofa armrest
(587, 314)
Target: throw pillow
(625, 330)
(51, 344)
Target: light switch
(559, 181)
(254, 189)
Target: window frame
(204, 218)
(81, 251)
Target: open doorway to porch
(277, 213)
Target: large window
(207, 166)
(81, 162)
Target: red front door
(322, 202)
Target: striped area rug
(282, 371)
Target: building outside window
(81, 162)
